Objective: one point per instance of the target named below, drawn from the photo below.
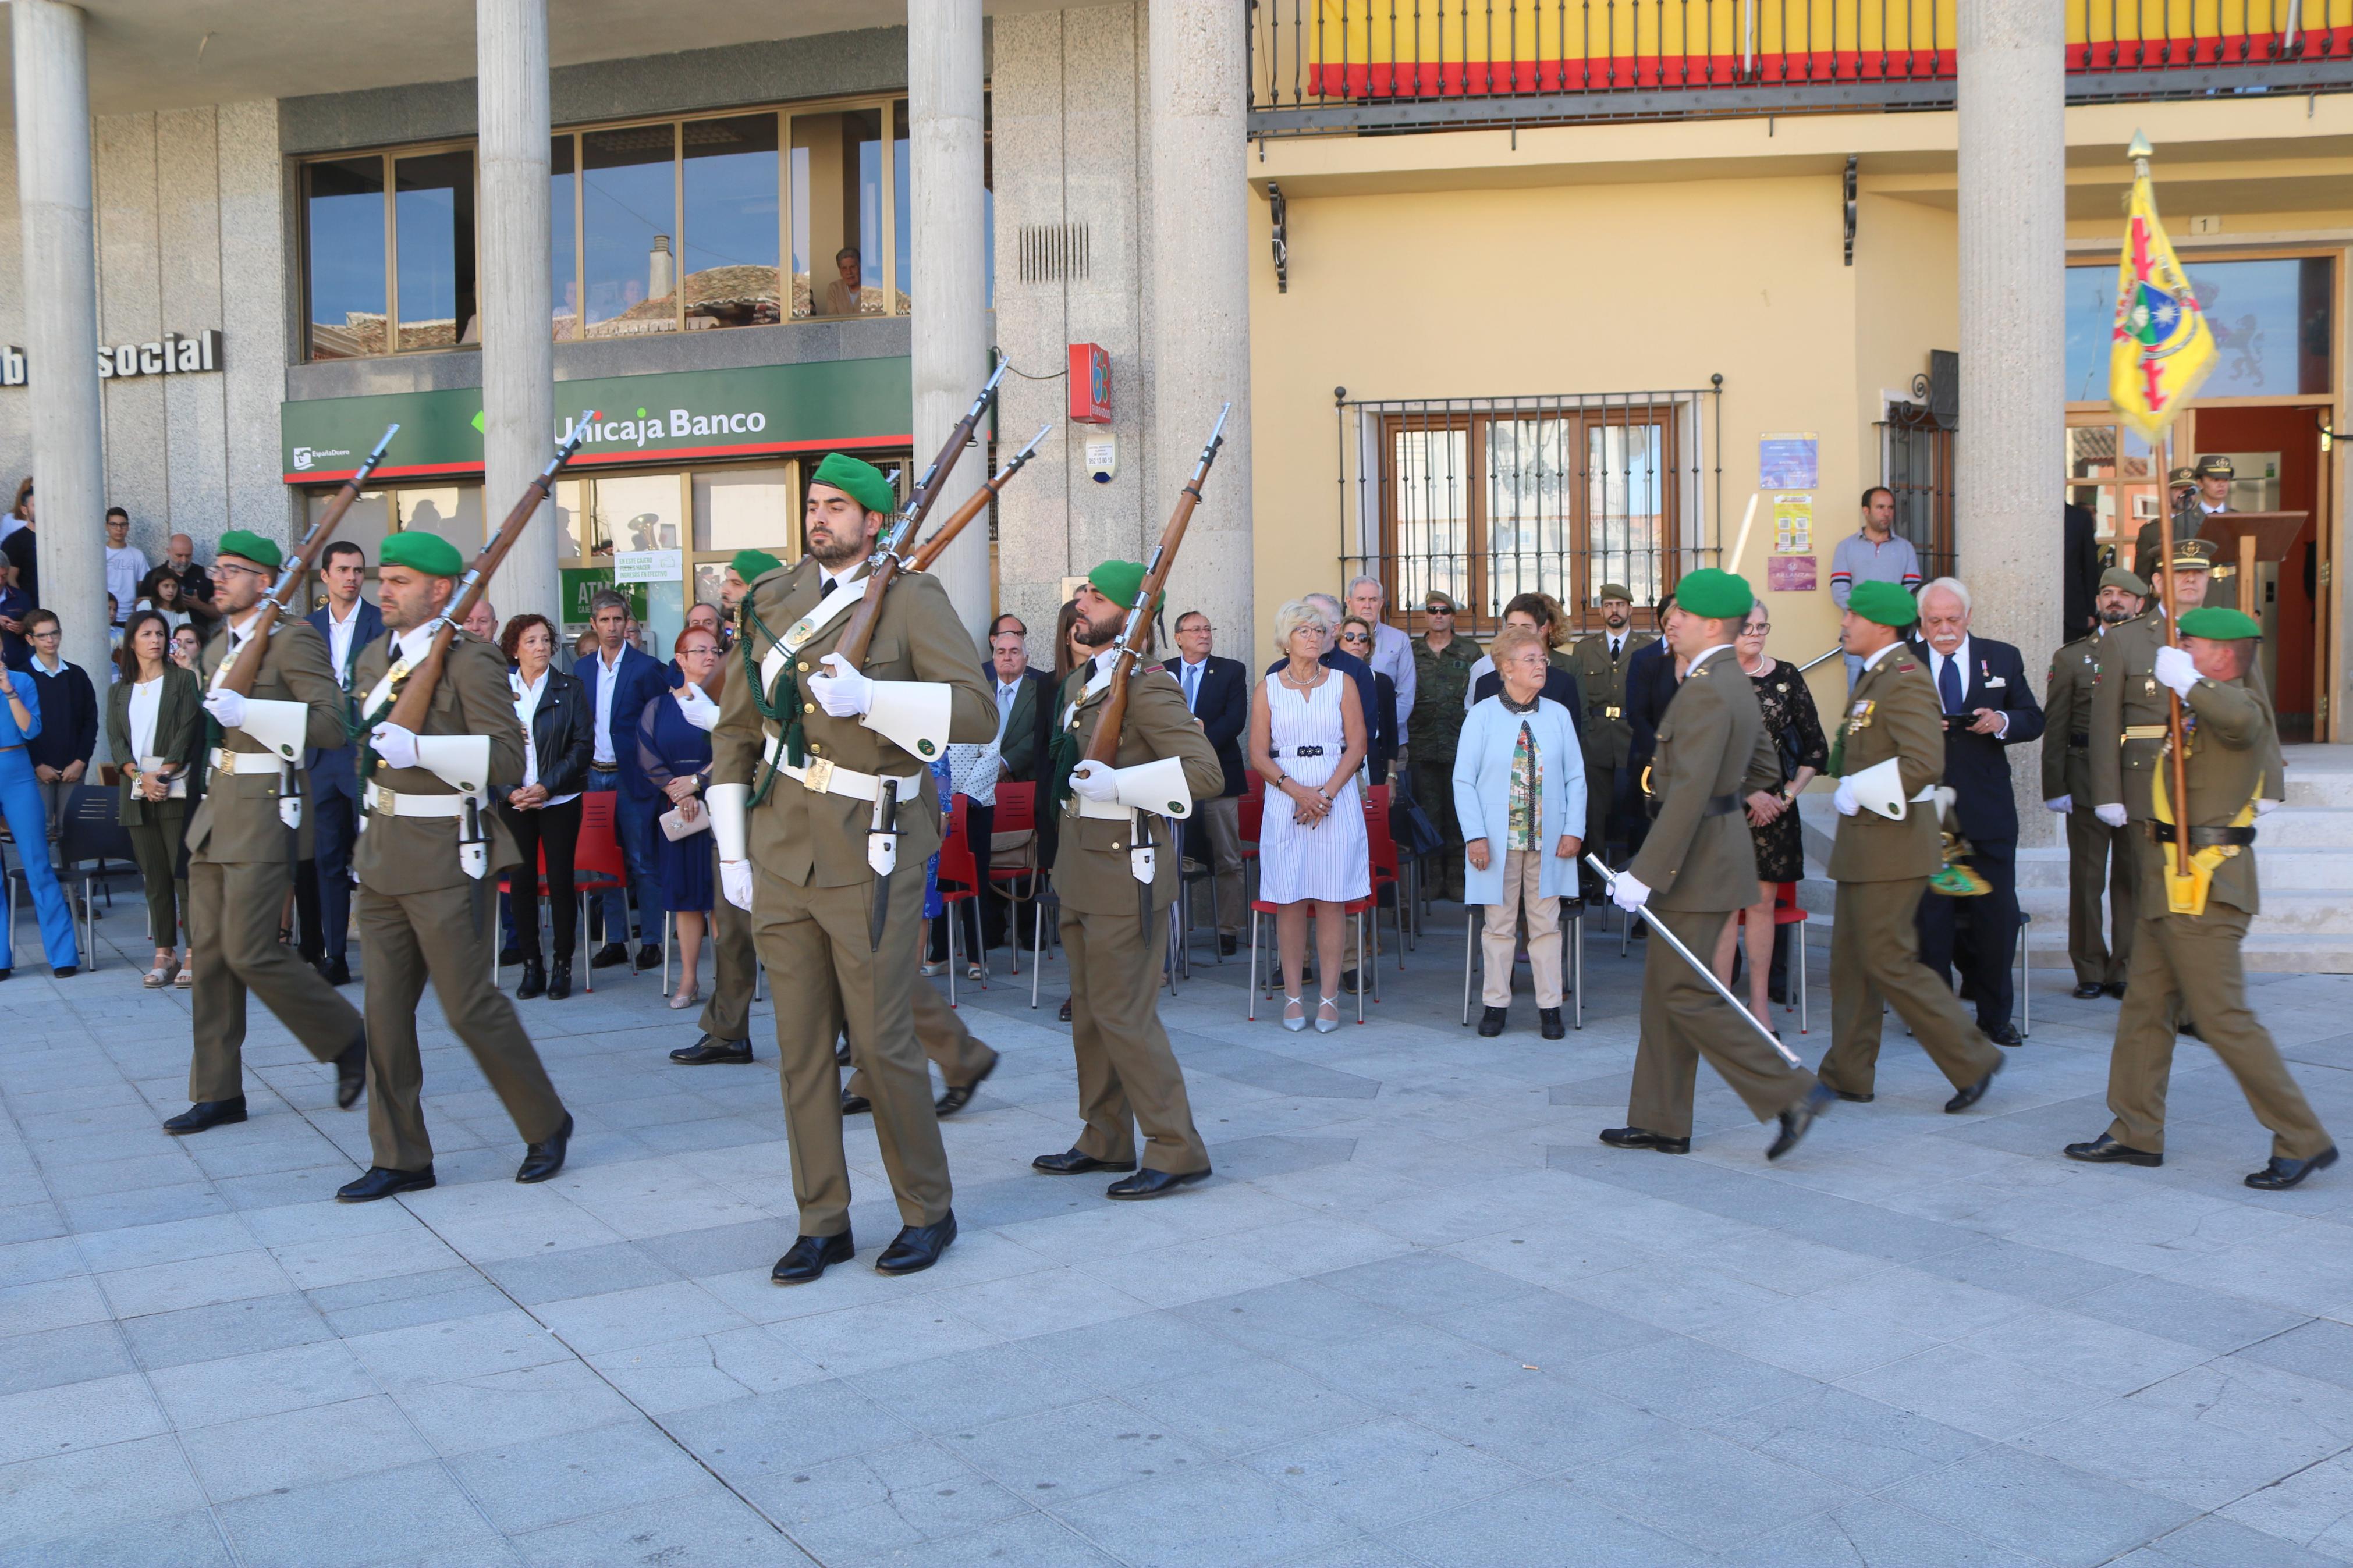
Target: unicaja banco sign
(665, 429)
(171, 354)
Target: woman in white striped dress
(1307, 737)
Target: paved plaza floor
(1420, 1317)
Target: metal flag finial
(2140, 147)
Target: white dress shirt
(1190, 675)
(146, 702)
(1936, 673)
(339, 634)
(527, 696)
(607, 677)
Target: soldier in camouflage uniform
(1441, 673)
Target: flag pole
(2177, 763)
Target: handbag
(675, 827)
(176, 787)
(1409, 824)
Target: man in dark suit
(1988, 706)
(323, 886)
(1216, 691)
(1651, 682)
(621, 680)
(2080, 562)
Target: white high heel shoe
(1290, 1023)
(1325, 1026)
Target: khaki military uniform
(2194, 961)
(2130, 713)
(1441, 680)
(241, 860)
(1607, 733)
(1128, 1073)
(813, 890)
(1700, 864)
(1881, 868)
(2100, 860)
(422, 917)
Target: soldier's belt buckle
(386, 801)
(1611, 712)
(820, 776)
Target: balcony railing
(1321, 66)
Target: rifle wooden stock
(1104, 747)
(246, 669)
(416, 699)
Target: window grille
(1915, 461)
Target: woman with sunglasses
(1357, 637)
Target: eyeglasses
(1755, 628)
(51, 635)
(1438, 609)
(1354, 637)
(223, 569)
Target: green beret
(252, 547)
(1712, 595)
(749, 565)
(859, 480)
(1121, 582)
(2217, 623)
(1619, 591)
(420, 552)
(2123, 577)
(1885, 602)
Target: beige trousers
(1499, 932)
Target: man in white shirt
(124, 564)
(1392, 649)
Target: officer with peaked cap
(1696, 866)
(804, 748)
(429, 853)
(2190, 955)
(1600, 660)
(2100, 860)
(244, 841)
(1888, 758)
(2211, 478)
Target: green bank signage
(690, 416)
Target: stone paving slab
(1421, 1317)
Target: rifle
(416, 698)
(1104, 747)
(246, 668)
(929, 552)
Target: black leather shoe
(958, 1097)
(1155, 1183)
(1854, 1098)
(841, 1051)
(1228, 945)
(1642, 1137)
(2088, 990)
(1548, 1022)
(351, 1073)
(1777, 993)
(559, 979)
(810, 1255)
(544, 1159)
(2002, 1034)
(66, 972)
(2280, 1174)
(335, 971)
(855, 1104)
(1075, 1163)
(649, 956)
(1972, 1094)
(2114, 988)
(1799, 1120)
(5, 973)
(710, 1049)
(1351, 981)
(1490, 1021)
(535, 981)
(1065, 1014)
(207, 1113)
(611, 953)
(509, 955)
(917, 1248)
(380, 1183)
(2106, 1151)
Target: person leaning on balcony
(846, 294)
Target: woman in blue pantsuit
(28, 823)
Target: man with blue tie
(1217, 693)
(1988, 706)
(323, 892)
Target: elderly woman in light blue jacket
(1519, 792)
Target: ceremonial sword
(1659, 928)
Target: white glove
(2113, 815)
(1629, 894)
(735, 881)
(227, 707)
(1844, 799)
(2266, 808)
(2062, 804)
(1095, 781)
(841, 692)
(700, 710)
(395, 746)
(2175, 669)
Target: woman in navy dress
(674, 761)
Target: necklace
(1298, 685)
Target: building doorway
(2286, 440)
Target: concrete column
(2012, 438)
(53, 186)
(1199, 333)
(515, 297)
(950, 259)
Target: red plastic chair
(1381, 844)
(1016, 812)
(1786, 912)
(960, 881)
(597, 864)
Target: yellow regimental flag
(2161, 348)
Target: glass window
(636, 511)
(563, 249)
(433, 229)
(453, 511)
(731, 222)
(1626, 533)
(1429, 506)
(1526, 507)
(901, 219)
(837, 213)
(748, 509)
(344, 210)
(2271, 320)
(629, 218)
(365, 525)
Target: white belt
(393, 803)
(823, 777)
(227, 762)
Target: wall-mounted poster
(1789, 461)
(1790, 574)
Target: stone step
(2275, 869)
(2316, 911)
